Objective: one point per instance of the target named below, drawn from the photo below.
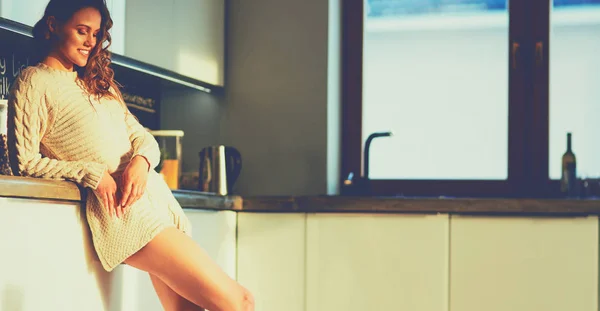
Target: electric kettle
(220, 166)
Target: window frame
(528, 107)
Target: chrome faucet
(368, 150)
(360, 186)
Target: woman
(67, 120)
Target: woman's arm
(27, 122)
(134, 178)
(143, 143)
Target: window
(464, 85)
(575, 85)
(457, 48)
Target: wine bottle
(568, 181)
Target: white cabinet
(47, 260)
(214, 231)
(184, 36)
(350, 262)
(271, 259)
(358, 262)
(28, 12)
(25, 12)
(117, 32)
(523, 264)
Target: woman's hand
(107, 192)
(133, 181)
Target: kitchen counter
(491, 206)
(38, 188)
(431, 250)
(25, 187)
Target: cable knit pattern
(58, 131)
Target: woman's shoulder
(40, 78)
(32, 82)
(41, 72)
(33, 76)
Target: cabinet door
(184, 36)
(25, 12)
(47, 259)
(117, 32)
(523, 264)
(271, 259)
(148, 32)
(214, 231)
(28, 12)
(358, 262)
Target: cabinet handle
(514, 51)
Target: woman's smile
(84, 52)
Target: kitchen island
(319, 252)
(47, 261)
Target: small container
(3, 116)
(169, 167)
(4, 165)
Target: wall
(281, 104)
(281, 88)
(195, 113)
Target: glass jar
(169, 167)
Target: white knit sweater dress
(60, 132)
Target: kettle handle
(205, 175)
(235, 158)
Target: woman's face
(76, 38)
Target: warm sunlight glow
(203, 69)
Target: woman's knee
(247, 300)
(243, 300)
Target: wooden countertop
(37, 188)
(475, 206)
(203, 200)
(46, 189)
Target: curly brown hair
(97, 76)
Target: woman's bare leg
(170, 300)
(183, 266)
